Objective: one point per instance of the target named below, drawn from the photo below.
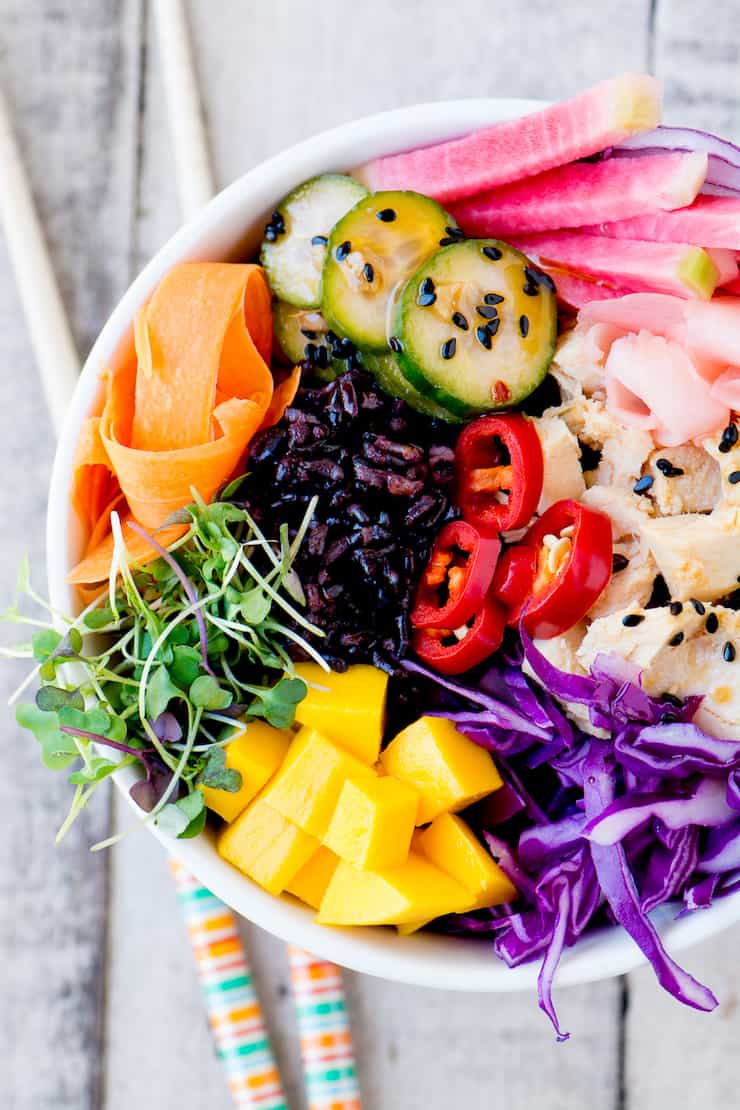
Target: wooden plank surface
(674, 1056)
(75, 125)
(288, 70)
(273, 73)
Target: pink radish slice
(708, 222)
(578, 292)
(585, 192)
(602, 116)
(682, 270)
(726, 264)
(726, 388)
(651, 383)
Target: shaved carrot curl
(181, 407)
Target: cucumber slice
(390, 378)
(294, 246)
(304, 336)
(372, 251)
(475, 327)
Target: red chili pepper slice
(457, 577)
(442, 650)
(495, 456)
(565, 587)
(513, 580)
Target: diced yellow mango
(373, 823)
(313, 878)
(447, 769)
(307, 787)
(412, 892)
(348, 708)
(256, 754)
(266, 847)
(450, 844)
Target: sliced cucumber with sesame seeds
(294, 246)
(305, 337)
(475, 327)
(390, 378)
(372, 250)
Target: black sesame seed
(698, 607)
(309, 351)
(448, 348)
(632, 620)
(493, 253)
(368, 272)
(448, 241)
(387, 215)
(644, 484)
(394, 343)
(455, 232)
(270, 233)
(427, 285)
(483, 336)
(675, 608)
(493, 298)
(308, 333)
(546, 280)
(460, 321)
(492, 326)
(277, 219)
(729, 653)
(734, 478)
(676, 640)
(712, 623)
(666, 467)
(488, 312)
(729, 438)
(530, 290)
(619, 562)
(424, 300)
(319, 241)
(524, 326)
(343, 250)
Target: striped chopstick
(323, 1026)
(234, 1013)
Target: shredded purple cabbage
(591, 830)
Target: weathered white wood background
(99, 1008)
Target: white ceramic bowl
(230, 227)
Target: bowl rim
(229, 224)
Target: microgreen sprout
(173, 660)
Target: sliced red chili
(566, 586)
(453, 651)
(513, 580)
(500, 469)
(457, 577)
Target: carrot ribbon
(180, 410)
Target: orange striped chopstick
(234, 1013)
(323, 1026)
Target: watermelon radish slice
(585, 193)
(685, 271)
(604, 115)
(577, 292)
(708, 222)
(726, 263)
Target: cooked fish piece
(699, 556)
(563, 476)
(682, 654)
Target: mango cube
(256, 754)
(313, 878)
(348, 708)
(373, 823)
(266, 847)
(450, 844)
(306, 789)
(447, 769)
(413, 892)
